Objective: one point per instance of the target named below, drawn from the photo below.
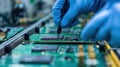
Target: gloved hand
(65, 12)
(105, 25)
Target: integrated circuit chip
(45, 48)
(52, 37)
(55, 37)
(71, 38)
(54, 30)
(36, 59)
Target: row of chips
(55, 37)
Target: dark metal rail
(10, 44)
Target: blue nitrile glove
(105, 25)
(65, 12)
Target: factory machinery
(39, 45)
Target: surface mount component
(52, 37)
(45, 48)
(36, 59)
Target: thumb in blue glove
(105, 25)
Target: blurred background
(23, 12)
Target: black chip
(36, 59)
(51, 37)
(45, 48)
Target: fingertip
(85, 36)
(64, 23)
(82, 37)
(56, 22)
(56, 16)
(69, 18)
(104, 32)
(56, 11)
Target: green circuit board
(32, 54)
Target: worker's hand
(105, 25)
(65, 12)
